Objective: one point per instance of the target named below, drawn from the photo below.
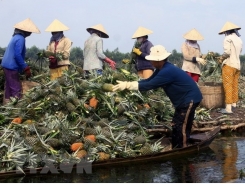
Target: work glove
(111, 63)
(27, 71)
(126, 61)
(122, 85)
(201, 61)
(52, 59)
(137, 51)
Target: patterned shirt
(93, 53)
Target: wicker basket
(213, 95)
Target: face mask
(140, 39)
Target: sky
(168, 19)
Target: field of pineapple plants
(79, 117)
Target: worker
(143, 67)
(59, 46)
(231, 65)
(13, 61)
(192, 57)
(94, 57)
(179, 87)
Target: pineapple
(76, 101)
(31, 140)
(107, 87)
(54, 143)
(150, 149)
(89, 131)
(81, 153)
(88, 143)
(139, 140)
(106, 132)
(103, 156)
(102, 122)
(70, 107)
(79, 70)
(42, 130)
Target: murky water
(219, 163)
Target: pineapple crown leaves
(121, 136)
(156, 147)
(15, 153)
(46, 146)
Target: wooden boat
(200, 141)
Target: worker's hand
(121, 85)
(219, 59)
(52, 59)
(111, 63)
(137, 51)
(201, 61)
(204, 56)
(27, 71)
(126, 61)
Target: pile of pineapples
(57, 118)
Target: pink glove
(111, 63)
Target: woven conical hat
(99, 27)
(141, 31)
(56, 26)
(193, 35)
(228, 26)
(27, 25)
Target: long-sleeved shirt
(93, 53)
(233, 47)
(178, 86)
(64, 47)
(141, 62)
(188, 53)
(14, 56)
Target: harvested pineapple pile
(73, 118)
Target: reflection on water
(219, 163)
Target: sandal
(224, 111)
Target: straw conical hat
(27, 25)
(141, 31)
(55, 26)
(99, 27)
(193, 35)
(228, 26)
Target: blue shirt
(178, 86)
(14, 56)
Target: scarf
(21, 32)
(192, 44)
(57, 36)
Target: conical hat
(56, 26)
(193, 35)
(228, 26)
(27, 25)
(99, 27)
(141, 31)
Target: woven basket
(213, 95)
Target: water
(218, 164)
